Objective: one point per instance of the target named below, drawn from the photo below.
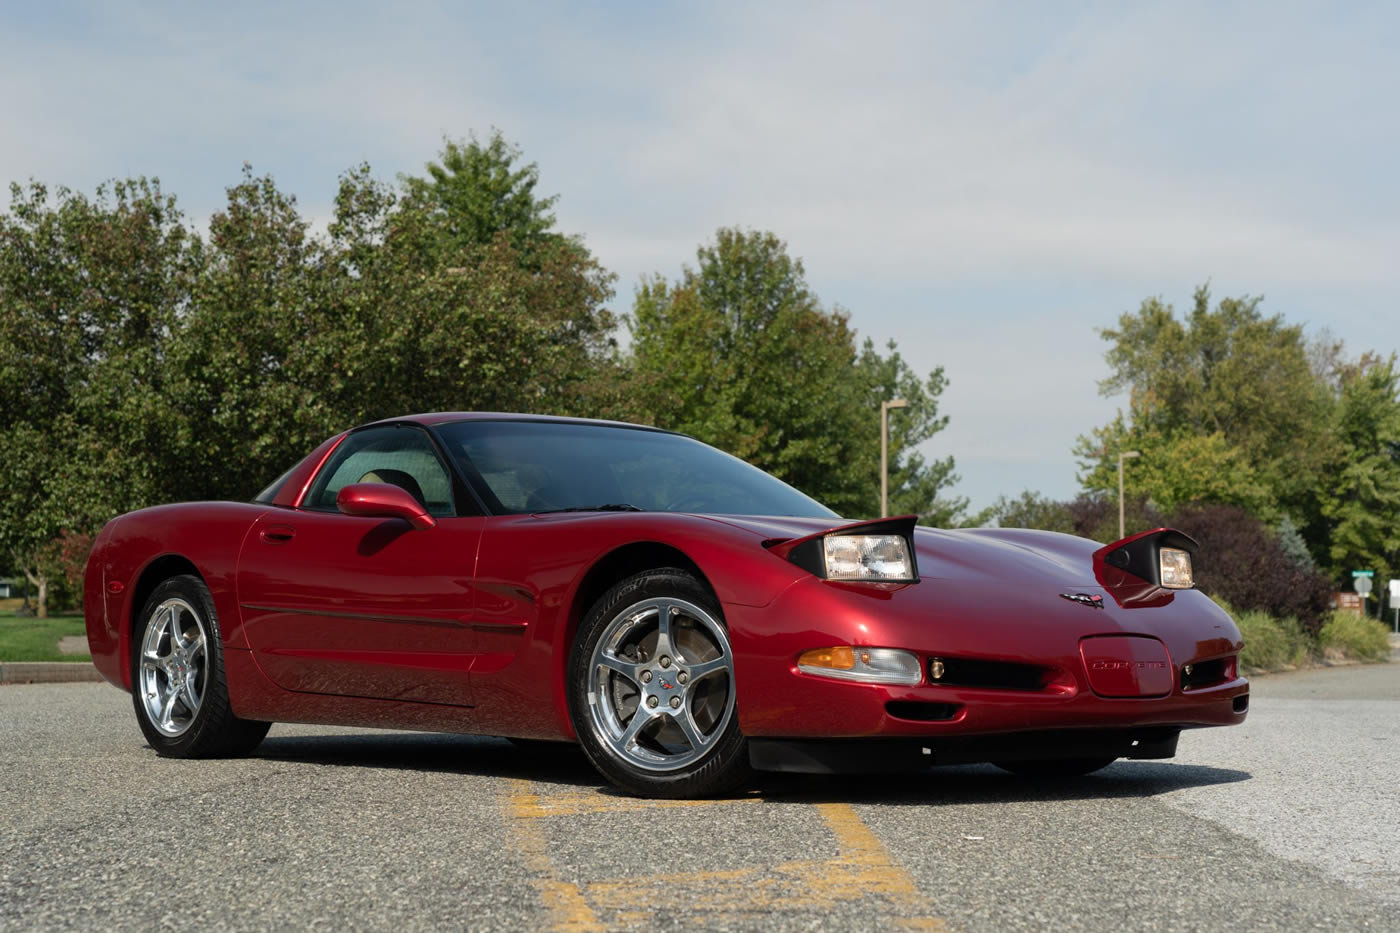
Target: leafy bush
(1243, 562)
(1271, 644)
(1347, 635)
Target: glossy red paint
(466, 625)
(1127, 666)
(382, 500)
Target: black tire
(653, 763)
(189, 671)
(1055, 768)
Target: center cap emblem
(667, 686)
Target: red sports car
(681, 614)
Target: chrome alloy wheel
(174, 668)
(661, 684)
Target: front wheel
(177, 677)
(651, 689)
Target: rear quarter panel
(135, 551)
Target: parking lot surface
(1289, 822)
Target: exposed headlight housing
(1176, 569)
(867, 665)
(867, 557)
(879, 551)
(1161, 556)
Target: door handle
(277, 534)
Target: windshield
(542, 466)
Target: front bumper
(1031, 625)
(883, 756)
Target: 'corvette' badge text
(1084, 599)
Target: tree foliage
(740, 353)
(1361, 501)
(90, 291)
(1231, 407)
(141, 362)
(1243, 562)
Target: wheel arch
(608, 570)
(153, 575)
(621, 563)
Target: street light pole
(885, 452)
(1123, 455)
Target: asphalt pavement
(1289, 822)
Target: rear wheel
(651, 689)
(177, 677)
(1055, 768)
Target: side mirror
(383, 500)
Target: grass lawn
(37, 639)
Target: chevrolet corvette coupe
(682, 615)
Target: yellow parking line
(538, 806)
(568, 910)
(866, 867)
(862, 869)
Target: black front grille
(1205, 674)
(922, 712)
(991, 675)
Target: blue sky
(985, 183)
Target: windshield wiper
(607, 507)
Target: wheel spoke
(177, 637)
(664, 611)
(167, 708)
(620, 666)
(640, 719)
(189, 696)
(194, 647)
(688, 726)
(706, 668)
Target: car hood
(1000, 556)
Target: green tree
(506, 318)
(1032, 510)
(1361, 500)
(740, 353)
(89, 291)
(1224, 404)
(479, 191)
(250, 362)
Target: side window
(398, 454)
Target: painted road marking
(862, 869)
(562, 899)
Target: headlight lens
(867, 557)
(870, 665)
(1176, 569)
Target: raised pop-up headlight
(877, 551)
(1176, 569)
(867, 557)
(870, 665)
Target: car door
(359, 606)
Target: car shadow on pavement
(964, 784)
(549, 762)
(564, 764)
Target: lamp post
(1123, 455)
(885, 452)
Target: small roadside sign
(1395, 591)
(1362, 585)
(1363, 573)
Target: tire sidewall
(722, 767)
